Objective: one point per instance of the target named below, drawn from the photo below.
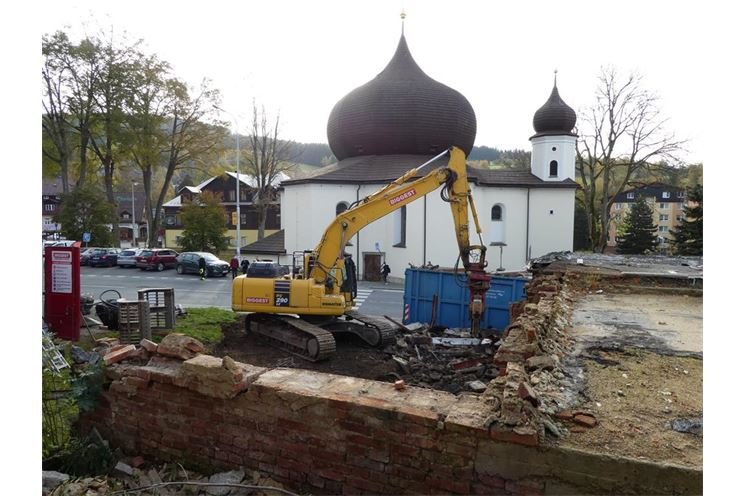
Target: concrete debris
(51, 479)
(476, 386)
(79, 355)
(688, 425)
(456, 341)
(123, 468)
(232, 477)
(414, 326)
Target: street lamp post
(134, 217)
(237, 184)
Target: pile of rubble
(444, 359)
(169, 479)
(532, 384)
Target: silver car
(127, 257)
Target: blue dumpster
(450, 295)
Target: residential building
(667, 203)
(224, 186)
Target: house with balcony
(667, 203)
(224, 186)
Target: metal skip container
(444, 296)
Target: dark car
(103, 256)
(188, 263)
(156, 258)
(85, 254)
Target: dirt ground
(641, 356)
(635, 395)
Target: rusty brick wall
(327, 434)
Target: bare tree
(268, 157)
(622, 133)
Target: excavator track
(376, 331)
(293, 335)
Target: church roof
(401, 111)
(555, 117)
(270, 245)
(382, 169)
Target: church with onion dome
(400, 120)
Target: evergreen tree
(204, 224)
(638, 232)
(85, 209)
(688, 239)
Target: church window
(496, 228)
(399, 228)
(553, 169)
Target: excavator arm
(404, 190)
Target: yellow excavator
(302, 310)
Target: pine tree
(638, 230)
(688, 239)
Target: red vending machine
(62, 290)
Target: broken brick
(585, 420)
(526, 392)
(150, 346)
(119, 354)
(399, 385)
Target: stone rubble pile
(444, 359)
(532, 385)
(128, 477)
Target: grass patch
(205, 324)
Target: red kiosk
(62, 290)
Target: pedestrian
(234, 266)
(202, 267)
(385, 270)
(244, 266)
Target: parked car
(103, 256)
(156, 258)
(127, 258)
(85, 254)
(188, 263)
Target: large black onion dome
(401, 111)
(555, 117)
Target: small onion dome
(555, 117)
(401, 111)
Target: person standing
(202, 267)
(244, 266)
(385, 270)
(234, 266)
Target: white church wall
(308, 209)
(551, 220)
(514, 216)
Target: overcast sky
(301, 57)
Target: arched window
(341, 207)
(553, 169)
(496, 227)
